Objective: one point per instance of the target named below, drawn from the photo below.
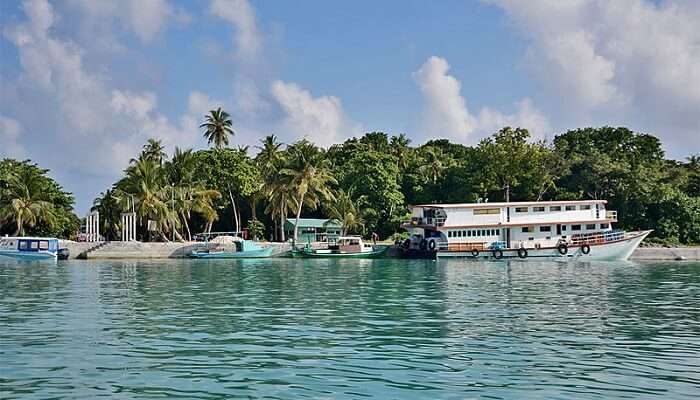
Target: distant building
(313, 229)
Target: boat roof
(510, 204)
(350, 237)
(27, 238)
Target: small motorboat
(343, 247)
(29, 248)
(225, 246)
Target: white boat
(550, 229)
(29, 248)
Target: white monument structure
(92, 227)
(128, 227)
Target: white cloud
(242, 16)
(320, 119)
(10, 131)
(636, 61)
(447, 115)
(145, 18)
(96, 126)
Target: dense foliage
(367, 183)
(32, 203)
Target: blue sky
(85, 82)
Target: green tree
(218, 127)
(309, 177)
(154, 151)
(347, 211)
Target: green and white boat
(343, 247)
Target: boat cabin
(466, 226)
(350, 244)
(28, 247)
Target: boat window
(563, 227)
(23, 245)
(484, 211)
(460, 233)
(585, 207)
(43, 245)
(590, 226)
(449, 234)
(575, 227)
(498, 231)
(570, 208)
(538, 209)
(554, 208)
(34, 245)
(526, 229)
(545, 228)
(604, 226)
(520, 209)
(483, 232)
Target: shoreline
(158, 250)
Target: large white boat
(554, 229)
(29, 248)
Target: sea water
(349, 329)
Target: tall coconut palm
(309, 177)
(435, 163)
(280, 201)
(153, 150)
(218, 127)
(270, 155)
(347, 211)
(27, 202)
(400, 149)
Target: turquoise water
(350, 329)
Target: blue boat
(232, 247)
(29, 248)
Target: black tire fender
(475, 253)
(497, 254)
(432, 245)
(522, 252)
(585, 249)
(563, 248)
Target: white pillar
(97, 227)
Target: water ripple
(351, 329)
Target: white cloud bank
(242, 16)
(632, 60)
(320, 119)
(447, 115)
(92, 123)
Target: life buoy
(406, 244)
(475, 253)
(522, 252)
(423, 244)
(497, 254)
(585, 249)
(563, 248)
(431, 245)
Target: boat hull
(29, 256)
(618, 250)
(262, 253)
(303, 253)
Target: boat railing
(466, 247)
(417, 221)
(611, 215)
(597, 237)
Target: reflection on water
(289, 328)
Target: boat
(577, 229)
(226, 246)
(30, 248)
(342, 247)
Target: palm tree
(347, 212)
(153, 150)
(400, 149)
(435, 162)
(145, 182)
(218, 128)
(27, 201)
(107, 204)
(270, 156)
(309, 177)
(280, 201)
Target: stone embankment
(138, 250)
(666, 253)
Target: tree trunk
(235, 213)
(253, 204)
(19, 226)
(187, 226)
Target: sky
(84, 83)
